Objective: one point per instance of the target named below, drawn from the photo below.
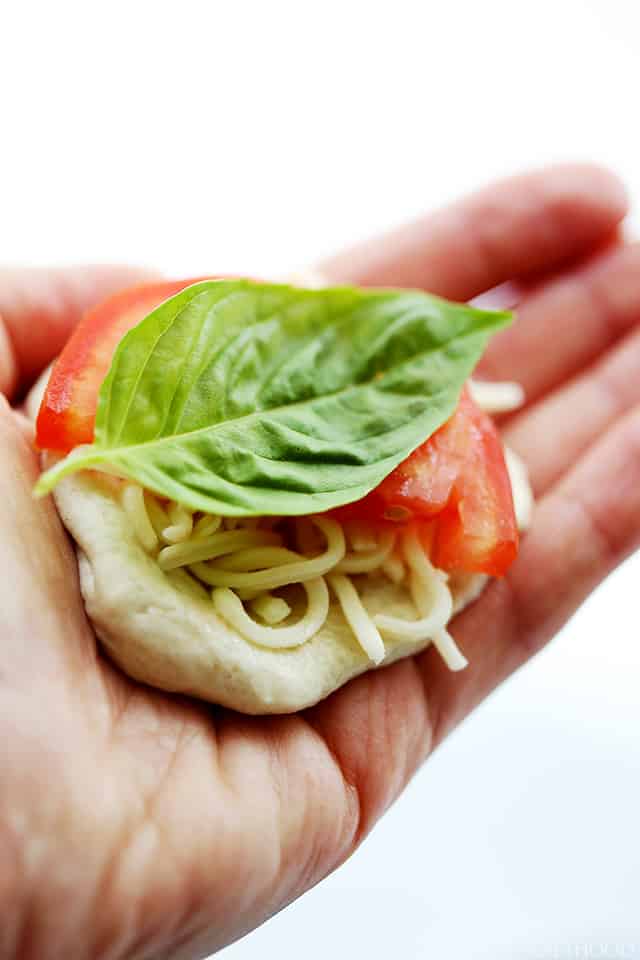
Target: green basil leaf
(241, 398)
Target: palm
(203, 822)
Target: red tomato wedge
(67, 414)
(458, 479)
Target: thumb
(45, 635)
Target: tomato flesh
(457, 482)
(68, 411)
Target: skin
(137, 824)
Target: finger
(378, 728)
(568, 322)
(520, 226)
(555, 432)
(39, 308)
(583, 528)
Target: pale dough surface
(177, 642)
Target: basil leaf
(242, 398)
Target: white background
(255, 137)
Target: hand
(138, 824)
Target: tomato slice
(458, 482)
(67, 414)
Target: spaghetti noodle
(245, 559)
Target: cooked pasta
(449, 650)
(430, 594)
(181, 524)
(133, 501)
(497, 397)
(207, 525)
(192, 551)
(271, 609)
(362, 561)
(156, 513)
(357, 617)
(229, 606)
(245, 559)
(298, 571)
(187, 584)
(393, 567)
